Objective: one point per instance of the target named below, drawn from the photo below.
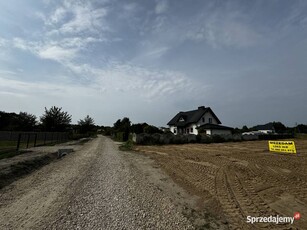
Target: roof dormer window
(181, 119)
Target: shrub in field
(275, 136)
(166, 138)
(126, 146)
(198, 138)
(218, 139)
(119, 136)
(155, 138)
(179, 139)
(191, 138)
(205, 139)
(150, 129)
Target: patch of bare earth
(33, 198)
(236, 180)
(31, 159)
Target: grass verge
(20, 169)
(11, 153)
(126, 146)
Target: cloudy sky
(148, 60)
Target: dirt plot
(236, 180)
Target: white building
(190, 122)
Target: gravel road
(96, 187)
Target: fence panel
(14, 141)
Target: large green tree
(26, 121)
(54, 119)
(8, 121)
(86, 125)
(122, 126)
(279, 127)
(301, 128)
(17, 122)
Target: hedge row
(161, 139)
(168, 138)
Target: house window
(175, 130)
(210, 120)
(191, 130)
(203, 119)
(187, 130)
(181, 119)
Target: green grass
(301, 136)
(13, 144)
(6, 144)
(126, 146)
(8, 148)
(11, 153)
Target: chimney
(201, 107)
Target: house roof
(268, 126)
(192, 116)
(214, 126)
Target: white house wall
(172, 129)
(194, 129)
(207, 116)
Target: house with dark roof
(190, 122)
(265, 129)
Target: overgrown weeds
(126, 146)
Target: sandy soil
(236, 180)
(32, 159)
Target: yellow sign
(282, 146)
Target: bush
(205, 139)
(218, 139)
(198, 138)
(191, 138)
(151, 129)
(127, 146)
(167, 138)
(179, 139)
(118, 136)
(275, 136)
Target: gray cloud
(151, 59)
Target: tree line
(122, 128)
(53, 119)
(279, 127)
